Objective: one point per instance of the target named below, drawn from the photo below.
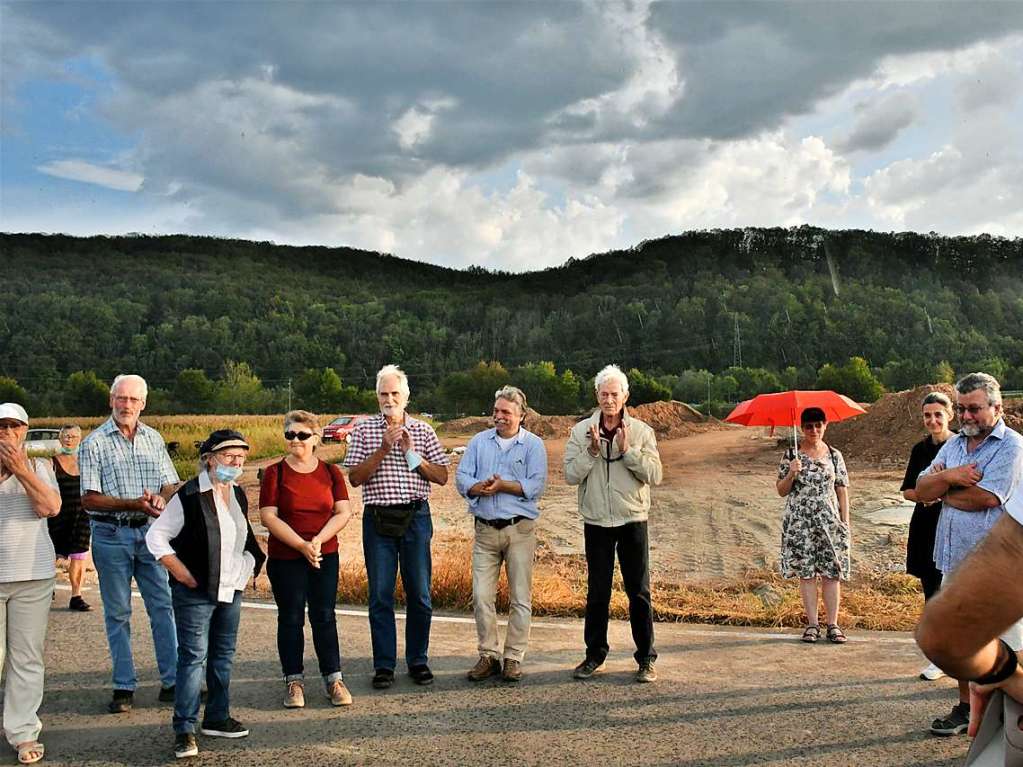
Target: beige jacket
(613, 490)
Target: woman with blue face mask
(70, 530)
(205, 541)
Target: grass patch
(890, 602)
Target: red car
(339, 429)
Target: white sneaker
(931, 673)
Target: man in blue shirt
(975, 474)
(502, 476)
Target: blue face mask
(227, 474)
(69, 450)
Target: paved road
(726, 697)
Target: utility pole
(289, 395)
(737, 344)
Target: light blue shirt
(525, 462)
(1000, 459)
(113, 465)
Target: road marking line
(716, 633)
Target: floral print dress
(814, 540)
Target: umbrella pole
(795, 439)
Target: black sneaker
(78, 605)
(421, 674)
(955, 723)
(383, 678)
(229, 728)
(588, 668)
(185, 745)
(166, 694)
(122, 702)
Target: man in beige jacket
(613, 459)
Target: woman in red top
(303, 503)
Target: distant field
(264, 433)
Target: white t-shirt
(26, 551)
(506, 442)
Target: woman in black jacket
(205, 541)
(937, 414)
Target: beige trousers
(515, 546)
(24, 612)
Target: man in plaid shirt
(127, 478)
(394, 458)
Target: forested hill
(776, 298)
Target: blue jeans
(384, 555)
(120, 553)
(296, 583)
(207, 634)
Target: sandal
(30, 752)
(835, 634)
(811, 634)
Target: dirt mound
(888, 431)
(674, 419)
(465, 427)
(549, 426)
(1013, 410)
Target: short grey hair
(512, 394)
(131, 378)
(394, 370)
(975, 381)
(611, 373)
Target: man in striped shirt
(394, 458)
(127, 477)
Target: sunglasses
(972, 409)
(299, 435)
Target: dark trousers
(930, 583)
(295, 584)
(631, 543)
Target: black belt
(134, 522)
(500, 524)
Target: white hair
(131, 378)
(394, 370)
(611, 373)
(512, 394)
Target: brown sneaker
(486, 666)
(338, 693)
(295, 695)
(512, 671)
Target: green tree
(319, 390)
(546, 391)
(85, 394)
(644, 388)
(472, 391)
(944, 373)
(193, 391)
(241, 391)
(12, 391)
(854, 379)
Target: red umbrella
(784, 408)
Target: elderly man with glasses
(975, 474)
(127, 478)
(395, 458)
(502, 476)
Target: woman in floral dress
(815, 530)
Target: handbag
(999, 741)
(392, 521)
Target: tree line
(220, 325)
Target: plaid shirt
(114, 466)
(393, 483)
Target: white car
(42, 440)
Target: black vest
(198, 543)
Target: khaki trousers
(24, 612)
(515, 546)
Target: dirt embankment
(892, 425)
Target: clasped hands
(151, 503)
(621, 438)
(488, 487)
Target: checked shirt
(393, 483)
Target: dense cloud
(519, 134)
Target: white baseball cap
(14, 411)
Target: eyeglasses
(11, 425)
(972, 409)
(299, 435)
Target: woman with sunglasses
(303, 503)
(923, 525)
(815, 529)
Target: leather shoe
(121, 702)
(486, 666)
(512, 671)
(421, 674)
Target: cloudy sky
(510, 135)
